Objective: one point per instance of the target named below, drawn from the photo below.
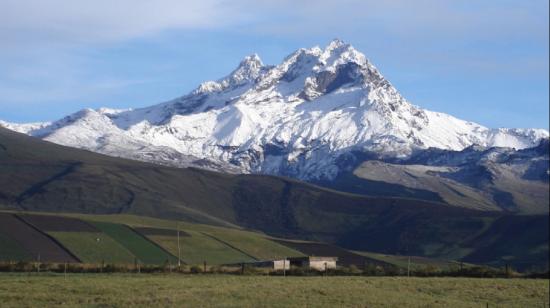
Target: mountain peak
(248, 70)
(252, 60)
(336, 43)
(338, 52)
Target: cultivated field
(138, 245)
(124, 239)
(30, 242)
(197, 248)
(146, 290)
(199, 243)
(127, 239)
(92, 247)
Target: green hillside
(41, 176)
(124, 239)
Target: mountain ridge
(293, 119)
(496, 179)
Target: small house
(317, 263)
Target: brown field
(48, 223)
(37, 244)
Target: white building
(318, 263)
(273, 264)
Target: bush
(252, 270)
(544, 275)
(8, 266)
(427, 271)
(392, 270)
(370, 270)
(374, 270)
(353, 270)
(195, 269)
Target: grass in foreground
(145, 290)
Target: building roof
(313, 258)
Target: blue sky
(483, 61)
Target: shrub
(354, 270)
(195, 269)
(373, 270)
(428, 270)
(392, 270)
(8, 266)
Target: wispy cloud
(77, 22)
(26, 21)
(421, 19)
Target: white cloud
(27, 22)
(405, 19)
(74, 22)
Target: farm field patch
(254, 245)
(198, 248)
(144, 250)
(50, 223)
(38, 245)
(144, 290)
(160, 231)
(201, 243)
(93, 247)
(11, 250)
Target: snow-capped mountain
(294, 119)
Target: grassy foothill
(145, 290)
